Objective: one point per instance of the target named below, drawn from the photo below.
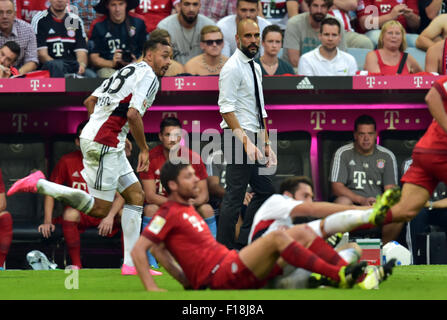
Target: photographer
(115, 39)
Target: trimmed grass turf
(406, 283)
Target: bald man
(241, 104)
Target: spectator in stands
(117, 37)
(85, 10)
(218, 9)
(362, 170)
(390, 57)
(13, 29)
(373, 14)
(154, 11)
(435, 58)
(279, 11)
(327, 59)
(27, 9)
(434, 33)
(269, 61)
(429, 10)
(68, 172)
(61, 40)
(9, 53)
(184, 29)
(340, 9)
(245, 9)
(155, 195)
(175, 67)
(302, 31)
(211, 61)
(5, 225)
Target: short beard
(248, 53)
(188, 20)
(318, 17)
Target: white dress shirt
(314, 64)
(237, 92)
(228, 27)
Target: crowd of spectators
(93, 38)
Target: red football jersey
(189, 240)
(385, 7)
(2, 185)
(26, 9)
(158, 159)
(153, 11)
(68, 171)
(435, 138)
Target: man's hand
(46, 229)
(128, 148)
(368, 201)
(106, 226)
(248, 197)
(271, 157)
(81, 69)
(399, 10)
(252, 151)
(143, 161)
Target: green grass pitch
(406, 283)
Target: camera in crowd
(127, 55)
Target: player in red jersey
(5, 225)
(155, 195)
(178, 237)
(429, 160)
(68, 172)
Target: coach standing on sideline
(241, 103)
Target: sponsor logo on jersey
(157, 224)
(75, 174)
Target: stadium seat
(418, 54)
(359, 55)
(328, 143)
(401, 143)
(293, 152)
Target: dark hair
(170, 172)
(364, 119)
(169, 122)
(292, 184)
(271, 28)
(152, 43)
(13, 46)
(80, 127)
(332, 22)
(328, 3)
(252, 1)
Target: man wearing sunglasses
(211, 61)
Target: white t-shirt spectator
(314, 64)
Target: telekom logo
(418, 81)
(318, 118)
(179, 83)
(370, 81)
(35, 84)
(391, 118)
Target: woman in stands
(389, 58)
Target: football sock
(322, 249)
(5, 236)
(388, 219)
(341, 222)
(73, 241)
(131, 225)
(298, 256)
(211, 222)
(72, 197)
(150, 257)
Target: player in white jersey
(115, 107)
(296, 200)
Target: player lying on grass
(296, 200)
(181, 241)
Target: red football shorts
(87, 221)
(427, 170)
(233, 274)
